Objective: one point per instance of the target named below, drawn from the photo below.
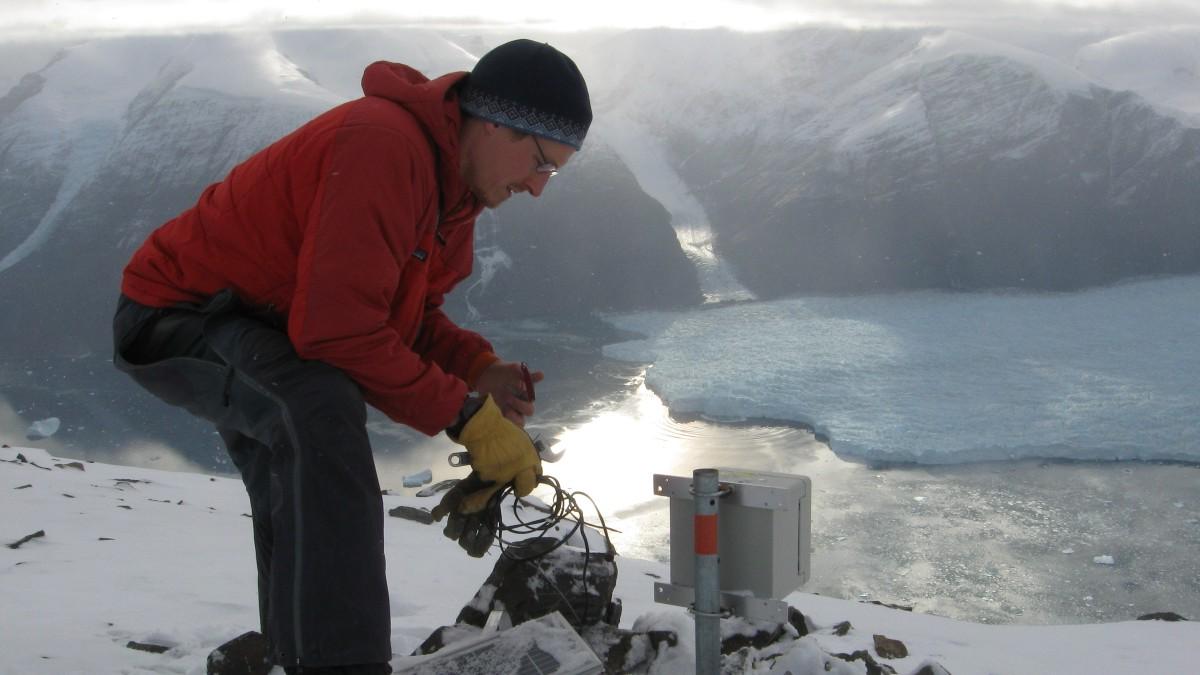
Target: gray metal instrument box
(765, 531)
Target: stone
(446, 635)
(29, 537)
(888, 648)
(246, 654)
(533, 579)
(903, 608)
(413, 513)
(440, 486)
(798, 621)
(147, 647)
(931, 668)
(873, 667)
(1161, 616)
(625, 651)
(536, 577)
(759, 640)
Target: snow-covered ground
(165, 558)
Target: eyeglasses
(544, 166)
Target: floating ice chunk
(418, 479)
(1104, 560)
(1068, 551)
(43, 429)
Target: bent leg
(327, 600)
(253, 460)
(297, 431)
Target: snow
(418, 479)
(166, 558)
(646, 157)
(94, 92)
(43, 428)
(1162, 66)
(1103, 374)
(1062, 77)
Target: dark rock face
(592, 241)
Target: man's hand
(473, 531)
(501, 453)
(504, 381)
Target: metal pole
(706, 492)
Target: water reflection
(614, 456)
(994, 542)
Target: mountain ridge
(822, 160)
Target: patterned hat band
(522, 117)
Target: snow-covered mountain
(857, 160)
(809, 160)
(108, 139)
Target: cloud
(1081, 14)
(66, 17)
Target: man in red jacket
(309, 282)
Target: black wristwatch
(471, 405)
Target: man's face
(506, 163)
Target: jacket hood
(434, 103)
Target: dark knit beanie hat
(531, 87)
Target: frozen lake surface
(939, 378)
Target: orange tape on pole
(706, 534)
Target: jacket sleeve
(459, 351)
(363, 227)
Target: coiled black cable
(564, 507)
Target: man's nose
(537, 183)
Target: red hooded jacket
(353, 227)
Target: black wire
(564, 506)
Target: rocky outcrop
(593, 241)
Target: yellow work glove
(501, 453)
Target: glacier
(940, 378)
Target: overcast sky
(54, 17)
